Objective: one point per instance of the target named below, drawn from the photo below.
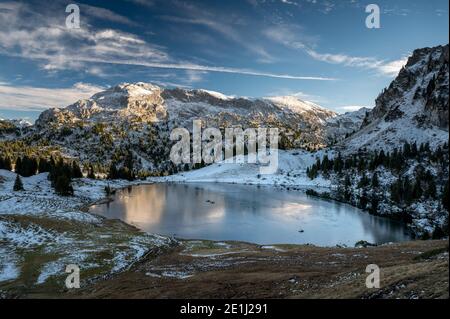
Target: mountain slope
(414, 108)
(10, 129)
(342, 125)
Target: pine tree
(374, 201)
(431, 190)
(375, 181)
(364, 181)
(18, 185)
(361, 164)
(113, 173)
(407, 190)
(445, 196)
(406, 150)
(417, 189)
(396, 190)
(108, 190)
(5, 163)
(338, 164)
(18, 166)
(91, 173)
(76, 170)
(26, 166)
(363, 200)
(44, 165)
(63, 186)
(347, 187)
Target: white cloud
(352, 108)
(144, 3)
(387, 68)
(37, 36)
(288, 36)
(42, 36)
(105, 14)
(28, 98)
(392, 68)
(289, 2)
(194, 76)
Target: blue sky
(318, 50)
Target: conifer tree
(76, 170)
(445, 196)
(18, 185)
(375, 181)
(91, 172)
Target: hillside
(414, 108)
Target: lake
(262, 215)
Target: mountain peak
(414, 108)
(295, 104)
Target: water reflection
(248, 213)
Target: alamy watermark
(373, 280)
(237, 146)
(73, 19)
(73, 279)
(373, 19)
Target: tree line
(414, 173)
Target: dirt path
(204, 269)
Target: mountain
(341, 126)
(10, 129)
(397, 163)
(144, 102)
(414, 108)
(139, 117)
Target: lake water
(262, 215)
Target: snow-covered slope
(291, 172)
(302, 107)
(414, 108)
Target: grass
(431, 253)
(99, 244)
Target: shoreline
(285, 187)
(140, 248)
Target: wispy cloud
(105, 14)
(144, 3)
(192, 67)
(29, 98)
(292, 3)
(387, 68)
(228, 32)
(288, 36)
(229, 26)
(42, 38)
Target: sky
(316, 50)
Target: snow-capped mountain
(345, 124)
(414, 108)
(149, 103)
(139, 116)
